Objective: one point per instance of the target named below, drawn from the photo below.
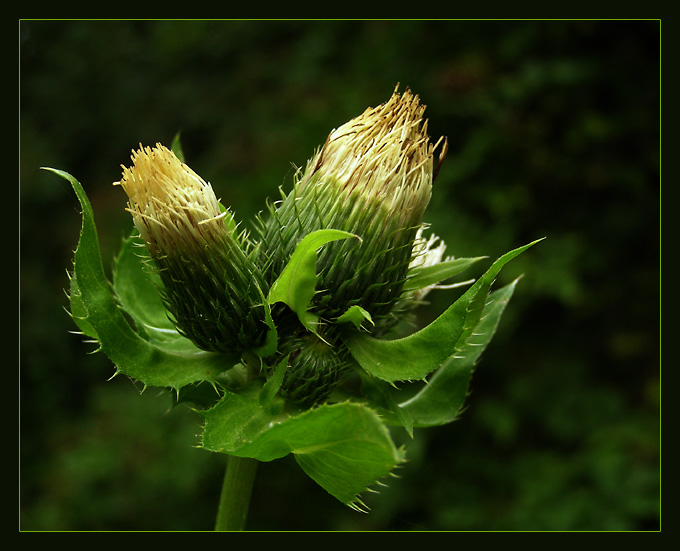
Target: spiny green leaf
(270, 344)
(137, 288)
(344, 447)
(273, 383)
(177, 146)
(441, 399)
(78, 310)
(355, 315)
(134, 356)
(296, 285)
(417, 355)
(424, 276)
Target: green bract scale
(283, 341)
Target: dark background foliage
(553, 129)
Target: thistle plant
(291, 339)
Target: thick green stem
(235, 497)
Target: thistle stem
(235, 496)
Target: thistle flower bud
(373, 178)
(210, 285)
(314, 368)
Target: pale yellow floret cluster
(171, 205)
(385, 154)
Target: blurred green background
(553, 131)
